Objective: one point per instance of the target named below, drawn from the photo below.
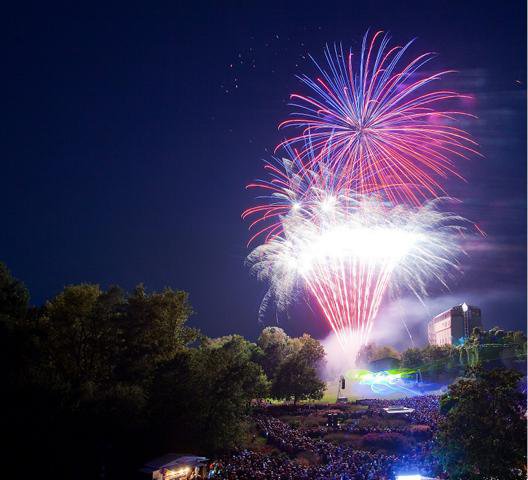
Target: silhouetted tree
(154, 330)
(14, 297)
(82, 367)
(202, 396)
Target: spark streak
(379, 121)
(350, 209)
(348, 257)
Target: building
(454, 325)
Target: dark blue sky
(130, 130)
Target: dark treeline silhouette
(97, 381)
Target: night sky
(129, 132)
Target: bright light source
(409, 477)
(328, 203)
(367, 244)
(296, 206)
(348, 257)
(464, 307)
(174, 474)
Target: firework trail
(380, 122)
(349, 251)
(291, 186)
(350, 208)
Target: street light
(465, 309)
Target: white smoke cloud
(337, 362)
(402, 323)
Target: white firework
(348, 250)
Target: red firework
(382, 126)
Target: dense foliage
(292, 364)
(490, 349)
(434, 362)
(95, 382)
(296, 375)
(495, 347)
(371, 353)
(483, 435)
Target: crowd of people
(426, 408)
(283, 436)
(334, 461)
(364, 429)
(249, 465)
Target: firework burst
(348, 252)
(350, 210)
(379, 122)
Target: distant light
(177, 473)
(296, 206)
(409, 477)
(464, 307)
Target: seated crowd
(340, 462)
(426, 408)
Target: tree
(88, 359)
(274, 344)
(202, 396)
(372, 352)
(365, 355)
(17, 350)
(434, 361)
(439, 359)
(154, 330)
(412, 358)
(14, 297)
(518, 337)
(296, 377)
(496, 347)
(229, 381)
(484, 433)
(14, 341)
(81, 335)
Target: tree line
(97, 381)
(488, 348)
